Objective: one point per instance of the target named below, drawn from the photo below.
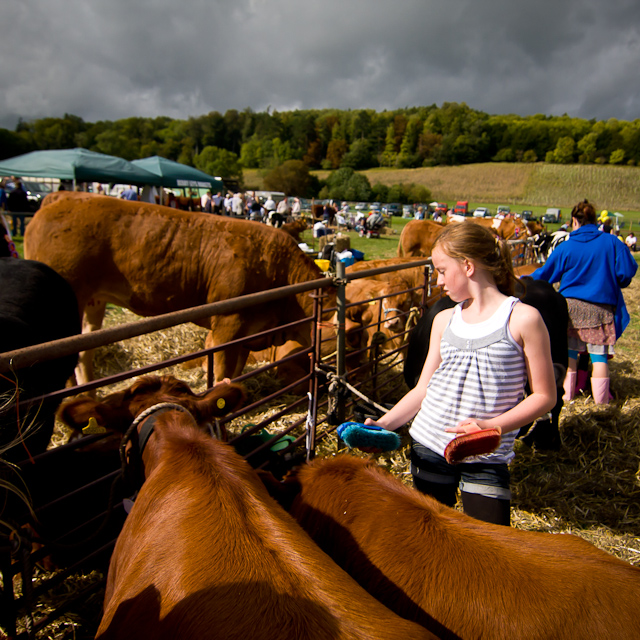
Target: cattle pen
(83, 511)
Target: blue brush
(366, 437)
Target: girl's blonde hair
(473, 242)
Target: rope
(337, 379)
(412, 318)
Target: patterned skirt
(591, 323)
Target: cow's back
(418, 237)
(152, 259)
(418, 556)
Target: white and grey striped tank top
(481, 376)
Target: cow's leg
(229, 362)
(91, 321)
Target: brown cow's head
(116, 411)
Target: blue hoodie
(592, 266)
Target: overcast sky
(111, 59)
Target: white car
(482, 212)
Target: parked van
(552, 215)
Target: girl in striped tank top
(480, 355)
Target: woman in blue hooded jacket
(592, 267)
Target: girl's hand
(470, 425)
(369, 422)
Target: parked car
(407, 211)
(482, 212)
(361, 206)
(503, 210)
(393, 209)
(527, 215)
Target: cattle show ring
(174, 467)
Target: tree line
(452, 134)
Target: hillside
(538, 184)
(541, 184)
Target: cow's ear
(83, 411)
(222, 399)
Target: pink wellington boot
(600, 390)
(569, 386)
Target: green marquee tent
(176, 174)
(79, 165)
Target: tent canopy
(176, 174)
(77, 164)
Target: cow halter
(147, 426)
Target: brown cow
(317, 211)
(505, 228)
(418, 237)
(191, 202)
(361, 326)
(411, 278)
(206, 553)
(457, 576)
(154, 260)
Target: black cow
(553, 309)
(36, 305)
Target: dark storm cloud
(110, 59)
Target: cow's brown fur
(418, 237)
(392, 311)
(361, 325)
(409, 278)
(429, 563)
(154, 260)
(206, 553)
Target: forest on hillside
(452, 134)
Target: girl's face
(453, 274)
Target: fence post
(314, 386)
(341, 342)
